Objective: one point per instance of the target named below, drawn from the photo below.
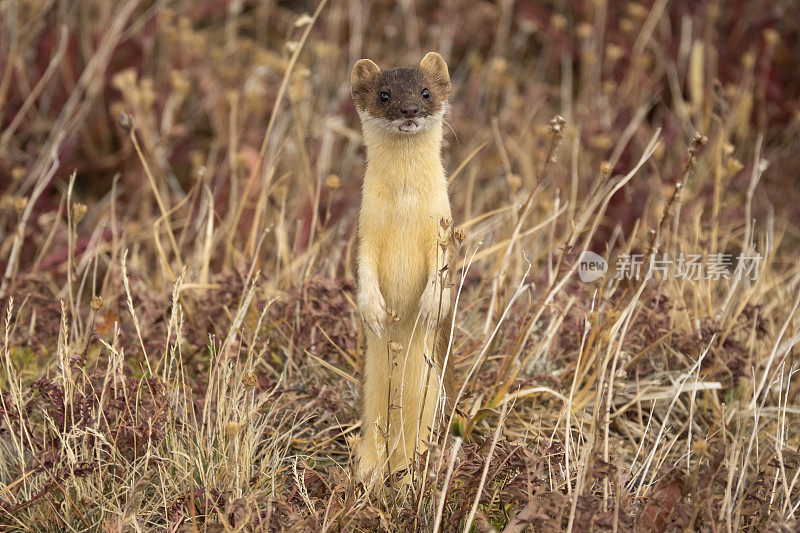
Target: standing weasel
(402, 296)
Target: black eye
(384, 96)
(425, 93)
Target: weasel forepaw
(434, 305)
(372, 307)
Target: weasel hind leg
(407, 393)
(421, 401)
(374, 408)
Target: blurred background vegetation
(178, 186)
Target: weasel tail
(403, 294)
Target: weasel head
(401, 101)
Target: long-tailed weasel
(402, 296)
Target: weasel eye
(425, 93)
(384, 96)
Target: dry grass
(180, 348)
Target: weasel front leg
(371, 304)
(372, 451)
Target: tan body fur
(404, 198)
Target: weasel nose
(409, 110)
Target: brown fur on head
(402, 100)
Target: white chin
(409, 126)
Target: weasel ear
(363, 73)
(435, 69)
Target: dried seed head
(303, 20)
(17, 173)
(514, 182)
(395, 346)
(771, 36)
(749, 60)
(727, 149)
(636, 10)
(584, 31)
(527, 25)
(498, 71)
(180, 84)
(606, 167)
(20, 204)
(78, 212)
(124, 81)
(659, 151)
(125, 122)
(733, 165)
(332, 181)
(393, 317)
(558, 21)
(184, 24)
(300, 85)
(147, 94)
(165, 16)
(198, 160)
(97, 303)
(241, 160)
(713, 13)
(249, 381)
(699, 447)
(626, 25)
(445, 222)
(614, 53)
(557, 124)
(698, 140)
(459, 234)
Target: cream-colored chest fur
(404, 198)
